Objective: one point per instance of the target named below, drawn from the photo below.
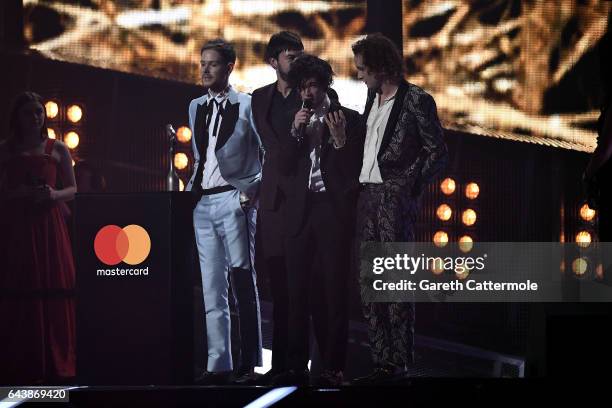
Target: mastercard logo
(130, 244)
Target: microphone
(170, 132)
(306, 104)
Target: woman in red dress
(37, 337)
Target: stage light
(181, 185)
(51, 133)
(599, 271)
(469, 217)
(448, 186)
(472, 190)
(73, 163)
(74, 113)
(52, 109)
(181, 161)
(587, 213)
(466, 243)
(440, 239)
(579, 266)
(71, 139)
(444, 212)
(583, 239)
(183, 134)
(462, 271)
(437, 266)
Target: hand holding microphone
(302, 117)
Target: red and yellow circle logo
(130, 244)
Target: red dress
(37, 337)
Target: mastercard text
(123, 272)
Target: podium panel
(134, 259)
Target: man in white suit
(227, 167)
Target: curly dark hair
(308, 66)
(380, 55)
(225, 49)
(281, 41)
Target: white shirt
(212, 176)
(314, 135)
(377, 122)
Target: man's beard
(283, 75)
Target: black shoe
(329, 379)
(292, 377)
(245, 377)
(267, 378)
(380, 376)
(218, 378)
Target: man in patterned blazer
(404, 149)
(227, 166)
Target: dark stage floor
(417, 392)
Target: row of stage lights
(74, 114)
(448, 186)
(444, 212)
(583, 239)
(181, 159)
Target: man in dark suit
(273, 107)
(404, 149)
(321, 162)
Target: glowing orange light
(587, 213)
(71, 139)
(599, 271)
(183, 134)
(462, 272)
(583, 238)
(437, 266)
(448, 186)
(181, 161)
(51, 133)
(472, 190)
(440, 239)
(469, 217)
(579, 266)
(52, 109)
(466, 243)
(74, 113)
(444, 212)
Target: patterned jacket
(412, 150)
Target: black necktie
(219, 114)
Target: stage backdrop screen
(162, 38)
(517, 69)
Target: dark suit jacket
(340, 170)
(269, 198)
(412, 150)
(270, 190)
